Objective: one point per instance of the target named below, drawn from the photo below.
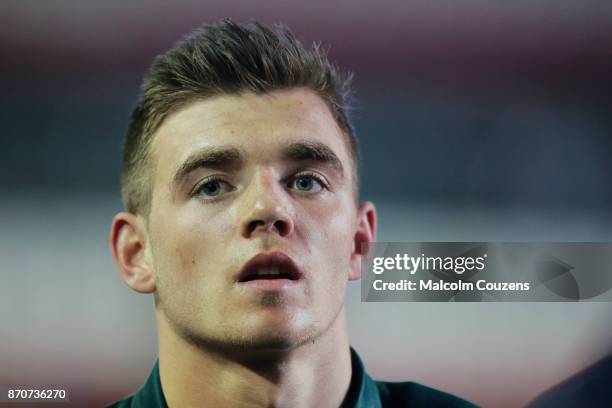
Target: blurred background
(479, 121)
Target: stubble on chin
(234, 342)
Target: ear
(128, 244)
(364, 236)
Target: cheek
(187, 282)
(180, 246)
(185, 257)
(333, 228)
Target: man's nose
(267, 207)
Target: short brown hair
(225, 58)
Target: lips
(270, 266)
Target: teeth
(268, 271)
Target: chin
(272, 334)
(271, 343)
(251, 342)
(272, 329)
(276, 333)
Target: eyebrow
(211, 157)
(312, 151)
(227, 156)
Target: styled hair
(226, 58)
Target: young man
(240, 185)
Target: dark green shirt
(363, 392)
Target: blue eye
(306, 184)
(212, 187)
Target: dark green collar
(150, 394)
(362, 392)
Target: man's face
(244, 188)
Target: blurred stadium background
(479, 120)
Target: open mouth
(267, 273)
(271, 266)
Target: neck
(316, 373)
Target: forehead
(257, 124)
